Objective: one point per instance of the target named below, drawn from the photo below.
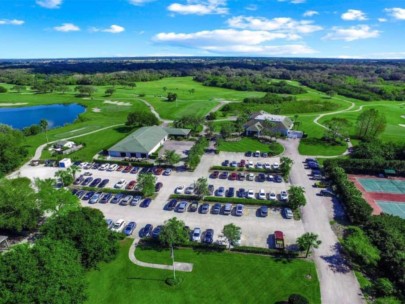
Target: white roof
(266, 116)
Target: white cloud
(293, 1)
(353, 14)
(11, 22)
(396, 12)
(113, 29)
(310, 13)
(285, 25)
(49, 3)
(140, 2)
(382, 20)
(251, 7)
(199, 7)
(265, 50)
(67, 27)
(352, 33)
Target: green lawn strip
(250, 144)
(216, 278)
(315, 146)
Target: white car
(250, 194)
(112, 167)
(257, 154)
(121, 183)
(167, 172)
(103, 167)
(82, 165)
(259, 166)
(267, 166)
(262, 194)
(196, 235)
(234, 164)
(250, 177)
(179, 190)
(276, 165)
(88, 166)
(283, 195)
(250, 164)
(189, 190)
(126, 200)
(118, 225)
(272, 196)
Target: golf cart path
(152, 109)
(337, 281)
(185, 267)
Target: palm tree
(44, 125)
(73, 170)
(307, 241)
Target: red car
(127, 169)
(131, 185)
(215, 174)
(120, 168)
(242, 163)
(158, 171)
(233, 176)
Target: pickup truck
(279, 239)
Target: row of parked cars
(105, 197)
(124, 169)
(241, 176)
(250, 165)
(316, 174)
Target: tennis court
(383, 185)
(394, 208)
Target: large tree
(232, 233)
(87, 231)
(307, 241)
(141, 118)
(296, 197)
(146, 183)
(337, 128)
(12, 150)
(171, 157)
(285, 166)
(85, 90)
(47, 272)
(201, 187)
(370, 124)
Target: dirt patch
(118, 103)
(96, 110)
(12, 104)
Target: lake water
(57, 115)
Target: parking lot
(256, 231)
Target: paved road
(338, 282)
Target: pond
(57, 115)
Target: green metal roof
(145, 139)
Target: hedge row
(367, 166)
(244, 201)
(268, 251)
(125, 163)
(109, 190)
(185, 197)
(239, 169)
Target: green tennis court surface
(383, 185)
(393, 208)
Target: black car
(313, 165)
(230, 192)
(193, 207)
(95, 182)
(96, 166)
(158, 186)
(103, 183)
(216, 209)
(261, 177)
(223, 175)
(78, 180)
(241, 192)
(248, 154)
(171, 205)
(209, 236)
(74, 191)
(106, 198)
(117, 198)
(225, 163)
(146, 202)
(204, 208)
(144, 170)
(80, 193)
(88, 195)
(211, 189)
(146, 231)
(278, 179)
(156, 232)
(87, 181)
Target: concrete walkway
(165, 122)
(185, 267)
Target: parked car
(242, 163)
(158, 186)
(112, 167)
(121, 183)
(278, 179)
(211, 189)
(103, 167)
(103, 183)
(276, 166)
(233, 176)
(250, 194)
(78, 180)
(146, 231)
(204, 208)
(234, 164)
(94, 199)
(250, 177)
(288, 213)
(127, 169)
(110, 223)
(156, 232)
(267, 166)
(129, 229)
(131, 185)
(261, 195)
(120, 168)
(179, 190)
(272, 196)
(189, 190)
(241, 193)
(263, 211)
(259, 165)
(171, 205)
(239, 210)
(135, 200)
(181, 207)
(223, 175)
(256, 154)
(220, 191)
(264, 154)
(87, 181)
(95, 182)
(248, 154)
(146, 202)
(283, 195)
(250, 165)
(230, 192)
(80, 193)
(261, 177)
(216, 209)
(126, 200)
(241, 176)
(167, 172)
(118, 225)
(227, 208)
(88, 195)
(196, 236)
(106, 198)
(117, 198)
(193, 207)
(326, 192)
(134, 170)
(270, 178)
(208, 236)
(225, 163)
(158, 171)
(215, 174)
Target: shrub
(384, 287)
(244, 201)
(297, 299)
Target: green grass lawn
(216, 278)
(250, 144)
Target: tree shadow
(336, 261)
(339, 214)
(145, 279)
(123, 129)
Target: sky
(265, 28)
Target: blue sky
(275, 28)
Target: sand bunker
(12, 104)
(118, 103)
(97, 110)
(401, 125)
